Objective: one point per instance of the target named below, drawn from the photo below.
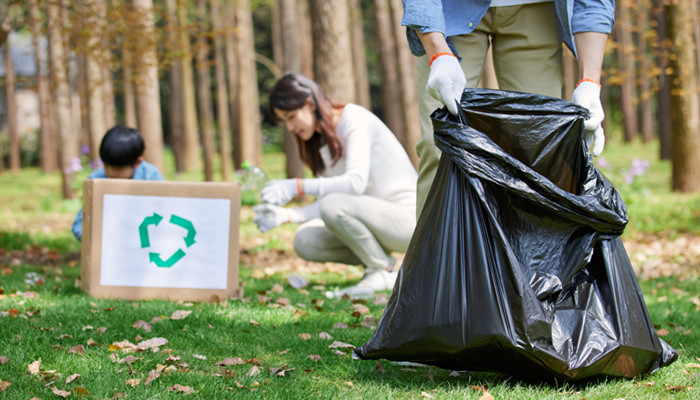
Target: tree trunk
(645, 74)
(95, 96)
(250, 137)
(147, 89)
(408, 82)
(4, 21)
(681, 17)
(129, 96)
(14, 150)
(276, 31)
(106, 61)
(85, 138)
(192, 161)
(47, 153)
(331, 39)
(62, 92)
(222, 111)
(663, 94)
(358, 54)
(291, 61)
(625, 54)
(175, 97)
(206, 117)
(232, 61)
(307, 45)
(391, 91)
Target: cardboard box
(156, 239)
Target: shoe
(373, 281)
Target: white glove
(280, 191)
(587, 94)
(446, 81)
(269, 216)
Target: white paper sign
(153, 241)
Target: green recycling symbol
(146, 241)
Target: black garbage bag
(516, 264)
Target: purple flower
(639, 167)
(603, 163)
(85, 149)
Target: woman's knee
(305, 245)
(333, 206)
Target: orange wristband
(588, 80)
(438, 55)
(299, 191)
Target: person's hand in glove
(269, 216)
(587, 94)
(281, 191)
(446, 81)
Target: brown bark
(276, 31)
(291, 61)
(106, 61)
(14, 150)
(222, 111)
(192, 160)
(4, 21)
(206, 116)
(250, 137)
(358, 54)
(391, 91)
(95, 96)
(408, 82)
(129, 95)
(147, 92)
(230, 45)
(176, 112)
(625, 54)
(681, 17)
(645, 74)
(62, 92)
(663, 93)
(331, 39)
(47, 145)
(83, 94)
(307, 48)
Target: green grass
(45, 321)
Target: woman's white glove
(269, 216)
(446, 81)
(587, 94)
(279, 191)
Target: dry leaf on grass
(179, 388)
(339, 345)
(35, 367)
(72, 378)
(253, 371)
(305, 336)
(152, 375)
(133, 382)
(142, 325)
(325, 336)
(277, 288)
(4, 360)
(180, 314)
(315, 357)
(152, 344)
(77, 349)
(359, 310)
(231, 361)
(59, 392)
(4, 385)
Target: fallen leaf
(369, 322)
(197, 356)
(359, 310)
(133, 382)
(35, 367)
(72, 378)
(486, 396)
(325, 336)
(253, 371)
(380, 367)
(153, 344)
(338, 345)
(692, 365)
(277, 288)
(87, 327)
(81, 391)
(180, 314)
(231, 361)
(91, 342)
(283, 301)
(64, 336)
(4, 360)
(305, 336)
(101, 330)
(254, 322)
(180, 388)
(4, 385)
(338, 352)
(76, 349)
(315, 357)
(340, 325)
(662, 332)
(58, 392)
(142, 325)
(349, 384)
(152, 375)
(129, 360)
(427, 395)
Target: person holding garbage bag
(451, 38)
(365, 184)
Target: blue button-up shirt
(459, 17)
(145, 172)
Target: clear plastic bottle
(254, 179)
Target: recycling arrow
(187, 224)
(155, 258)
(143, 228)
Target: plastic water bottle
(254, 179)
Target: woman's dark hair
(121, 146)
(290, 93)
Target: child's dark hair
(121, 146)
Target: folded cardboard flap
(157, 239)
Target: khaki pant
(356, 230)
(527, 57)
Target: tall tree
(408, 82)
(250, 136)
(307, 47)
(357, 38)
(681, 18)
(129, 104)
(62, 102)
(147, 88)
(15, 161)
(107, 61)
(331, 38)
(206, 116)
(645, 73)
(4, 21)
(47, 145)
(230, 45)
(176, 105)
(625, 55)
(291, 61)
(95, 97)
(391, 90)
(222, 111)
(192, 161)
(663, 92)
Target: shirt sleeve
(593, 16)
(309, 212)
(78, 225)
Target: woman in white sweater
(365, 184)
